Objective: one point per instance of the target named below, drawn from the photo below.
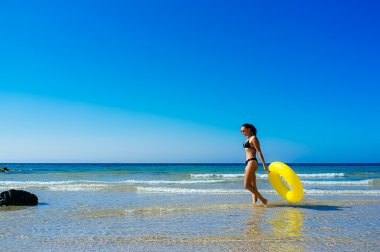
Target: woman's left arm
(256, 144)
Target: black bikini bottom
(250, 159)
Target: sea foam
(92, 185)
(341, 183)
(234, 176)
(171, 190)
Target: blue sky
(172, 81)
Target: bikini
(246, 145)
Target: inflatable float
(285, 181)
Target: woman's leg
(254, 198)
(250, 182)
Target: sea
(189, 207)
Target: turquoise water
(189, 206)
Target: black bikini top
(247, 145)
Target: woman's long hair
(251, 127)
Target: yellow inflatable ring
(278, 170)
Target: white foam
(91, 185)
(80, 185)
(181, 182)
(301, 175)
(171, 190)
(342, 183)
(342, 192)
(320, 175)
(210, 175)
(189, 190)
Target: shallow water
(158, 208)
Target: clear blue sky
(172, 81)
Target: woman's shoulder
(253, 139)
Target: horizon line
(197, 163)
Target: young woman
(252, 146)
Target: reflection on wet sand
(286, 226)
(254, 224)
(281, 228)
(282, 221)
(287, 222)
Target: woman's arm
(256, 144)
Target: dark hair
(251, 127)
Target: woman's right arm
(256, 144)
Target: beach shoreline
(102, 208)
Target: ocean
(186, 207)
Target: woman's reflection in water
(255, 223)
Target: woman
(251, 146)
